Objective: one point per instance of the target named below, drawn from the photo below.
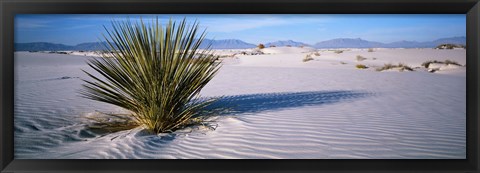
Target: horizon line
(258, 43)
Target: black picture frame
(9, 8)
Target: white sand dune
(282, 107)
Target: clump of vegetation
(316, 54)
(427, 63)
(156, 74)
(289, 45)
(399, 66)
(338, 51)
(370, 50)
(361, 66)
(341, 62)
(450, 46)
(273, 45)
(261, 46)
(307, 58)
(446, 62)
(360, 58)
(111, 123)
(374, 58)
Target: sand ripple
(309, 113)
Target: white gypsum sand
(284, 107)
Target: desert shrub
(289, 45)
(448, 62)
(341, 62)
(273, 45)
(400, 66)
(261, 46)
(386, 67)
(426, 64)
(450, 46)
(307, 58)
(316, 54)
(338, 51)
(156, 74)
(404, 67)
(360, 58)
(361, 66)
(370, 50)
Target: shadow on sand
(253, 103)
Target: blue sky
(253, 28)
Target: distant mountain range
(286, 43)
(227, 44)
(44, 46)
(360, 43)
(239, 44)
(92, 46)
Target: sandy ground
(324, 108)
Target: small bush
(307, 58)
(370, 50)
(361, 66)
(289, 45)
(159, 86)
(338, 51)
(341, 62)
(273, 46)
(261, 46)
(404, 67)
(449, 46)
(448, 62)
(360, 58)
(385, 67)
(400, 66)
(316, 54)
(426, 64)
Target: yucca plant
(155, 72)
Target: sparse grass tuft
(338, 51)
(361, 66)
(404, 67)
(360, 58)
(370, 50)
(307, 58)
(426, 64)
(316, 54)
(450, 46)
(448, 62)
(400, 66)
